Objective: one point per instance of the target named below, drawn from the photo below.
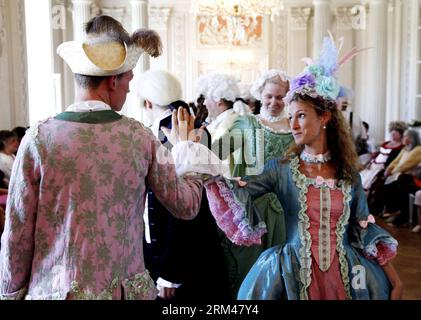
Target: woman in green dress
(249, 144)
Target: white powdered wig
(159, 87)
(258, 86)
(245, 91)
(217, 86)
(241, 108)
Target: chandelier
(239, 14)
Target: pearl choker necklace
(318, 158)
(265, 115)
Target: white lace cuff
(166, 284)
(190, 157)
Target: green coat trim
(94, 117)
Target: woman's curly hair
(339, 140)
(5, 135)
(399, 126)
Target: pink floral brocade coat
(74, 225)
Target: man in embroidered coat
(74, 222)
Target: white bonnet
(217, 86)
(259, 84)
(160, 87)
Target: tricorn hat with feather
(108, 48)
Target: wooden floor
(408, 259)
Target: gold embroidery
(140, 287)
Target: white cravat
(155, 126)
(213, 126)
(88, 106)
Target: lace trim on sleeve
(230, 216)
(382, 252)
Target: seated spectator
(20, 133)
(417, 202)
(408, 158)
(367, 147)
(3, 190)
(399, 180)
(3, 184)
(389, 150)
(8, 146)
(363, 153)
(372, 177)
(3, 200)
(370, 141)
(1, 220)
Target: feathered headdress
(319, 79)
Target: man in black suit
(184, 257)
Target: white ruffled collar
(88, 106)
(219, 119)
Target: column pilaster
(82, 13)
(322, 22)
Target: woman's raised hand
(183, 128)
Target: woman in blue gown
(333, 249)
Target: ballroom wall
(383, 79)
(13, 81)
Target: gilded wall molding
(280, 59)
(344, 17)
(299, 18)
(158, 17)
(237, 31)
(179, 40)
(117, 13)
